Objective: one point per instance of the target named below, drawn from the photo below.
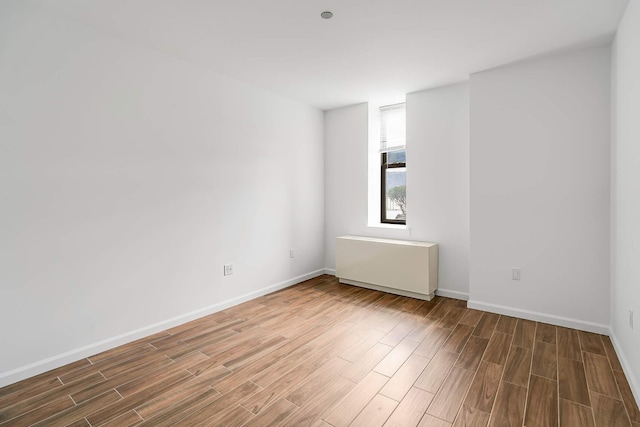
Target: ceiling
(372, 50)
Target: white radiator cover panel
(396, 266)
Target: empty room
(320, 213)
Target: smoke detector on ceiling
(326, 14)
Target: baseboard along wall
(540, 317)
(633, 381)
(56, 361)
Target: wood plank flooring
(326, 354)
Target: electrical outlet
(515, 273)
(228, 269)
(631, 319)
(291, 253)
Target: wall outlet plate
(515, 273)
(228, 269)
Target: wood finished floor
(325, 354)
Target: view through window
(393, 173)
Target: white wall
(437, 179)
(127, 179)
(625, 231)
(540, 189)
(345, 172)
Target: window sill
(390, 226)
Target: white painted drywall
(437, 179)
(625, 230)
(438, 174)
(540, 138)
(127, 179)
(345, 172)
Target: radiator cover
(397, 266)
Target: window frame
(384, 165)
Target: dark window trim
(383, 191)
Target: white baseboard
(633, 381)
(53, 362)
(452, 294)
(540, 317)
(331, 271)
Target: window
(393, 171)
